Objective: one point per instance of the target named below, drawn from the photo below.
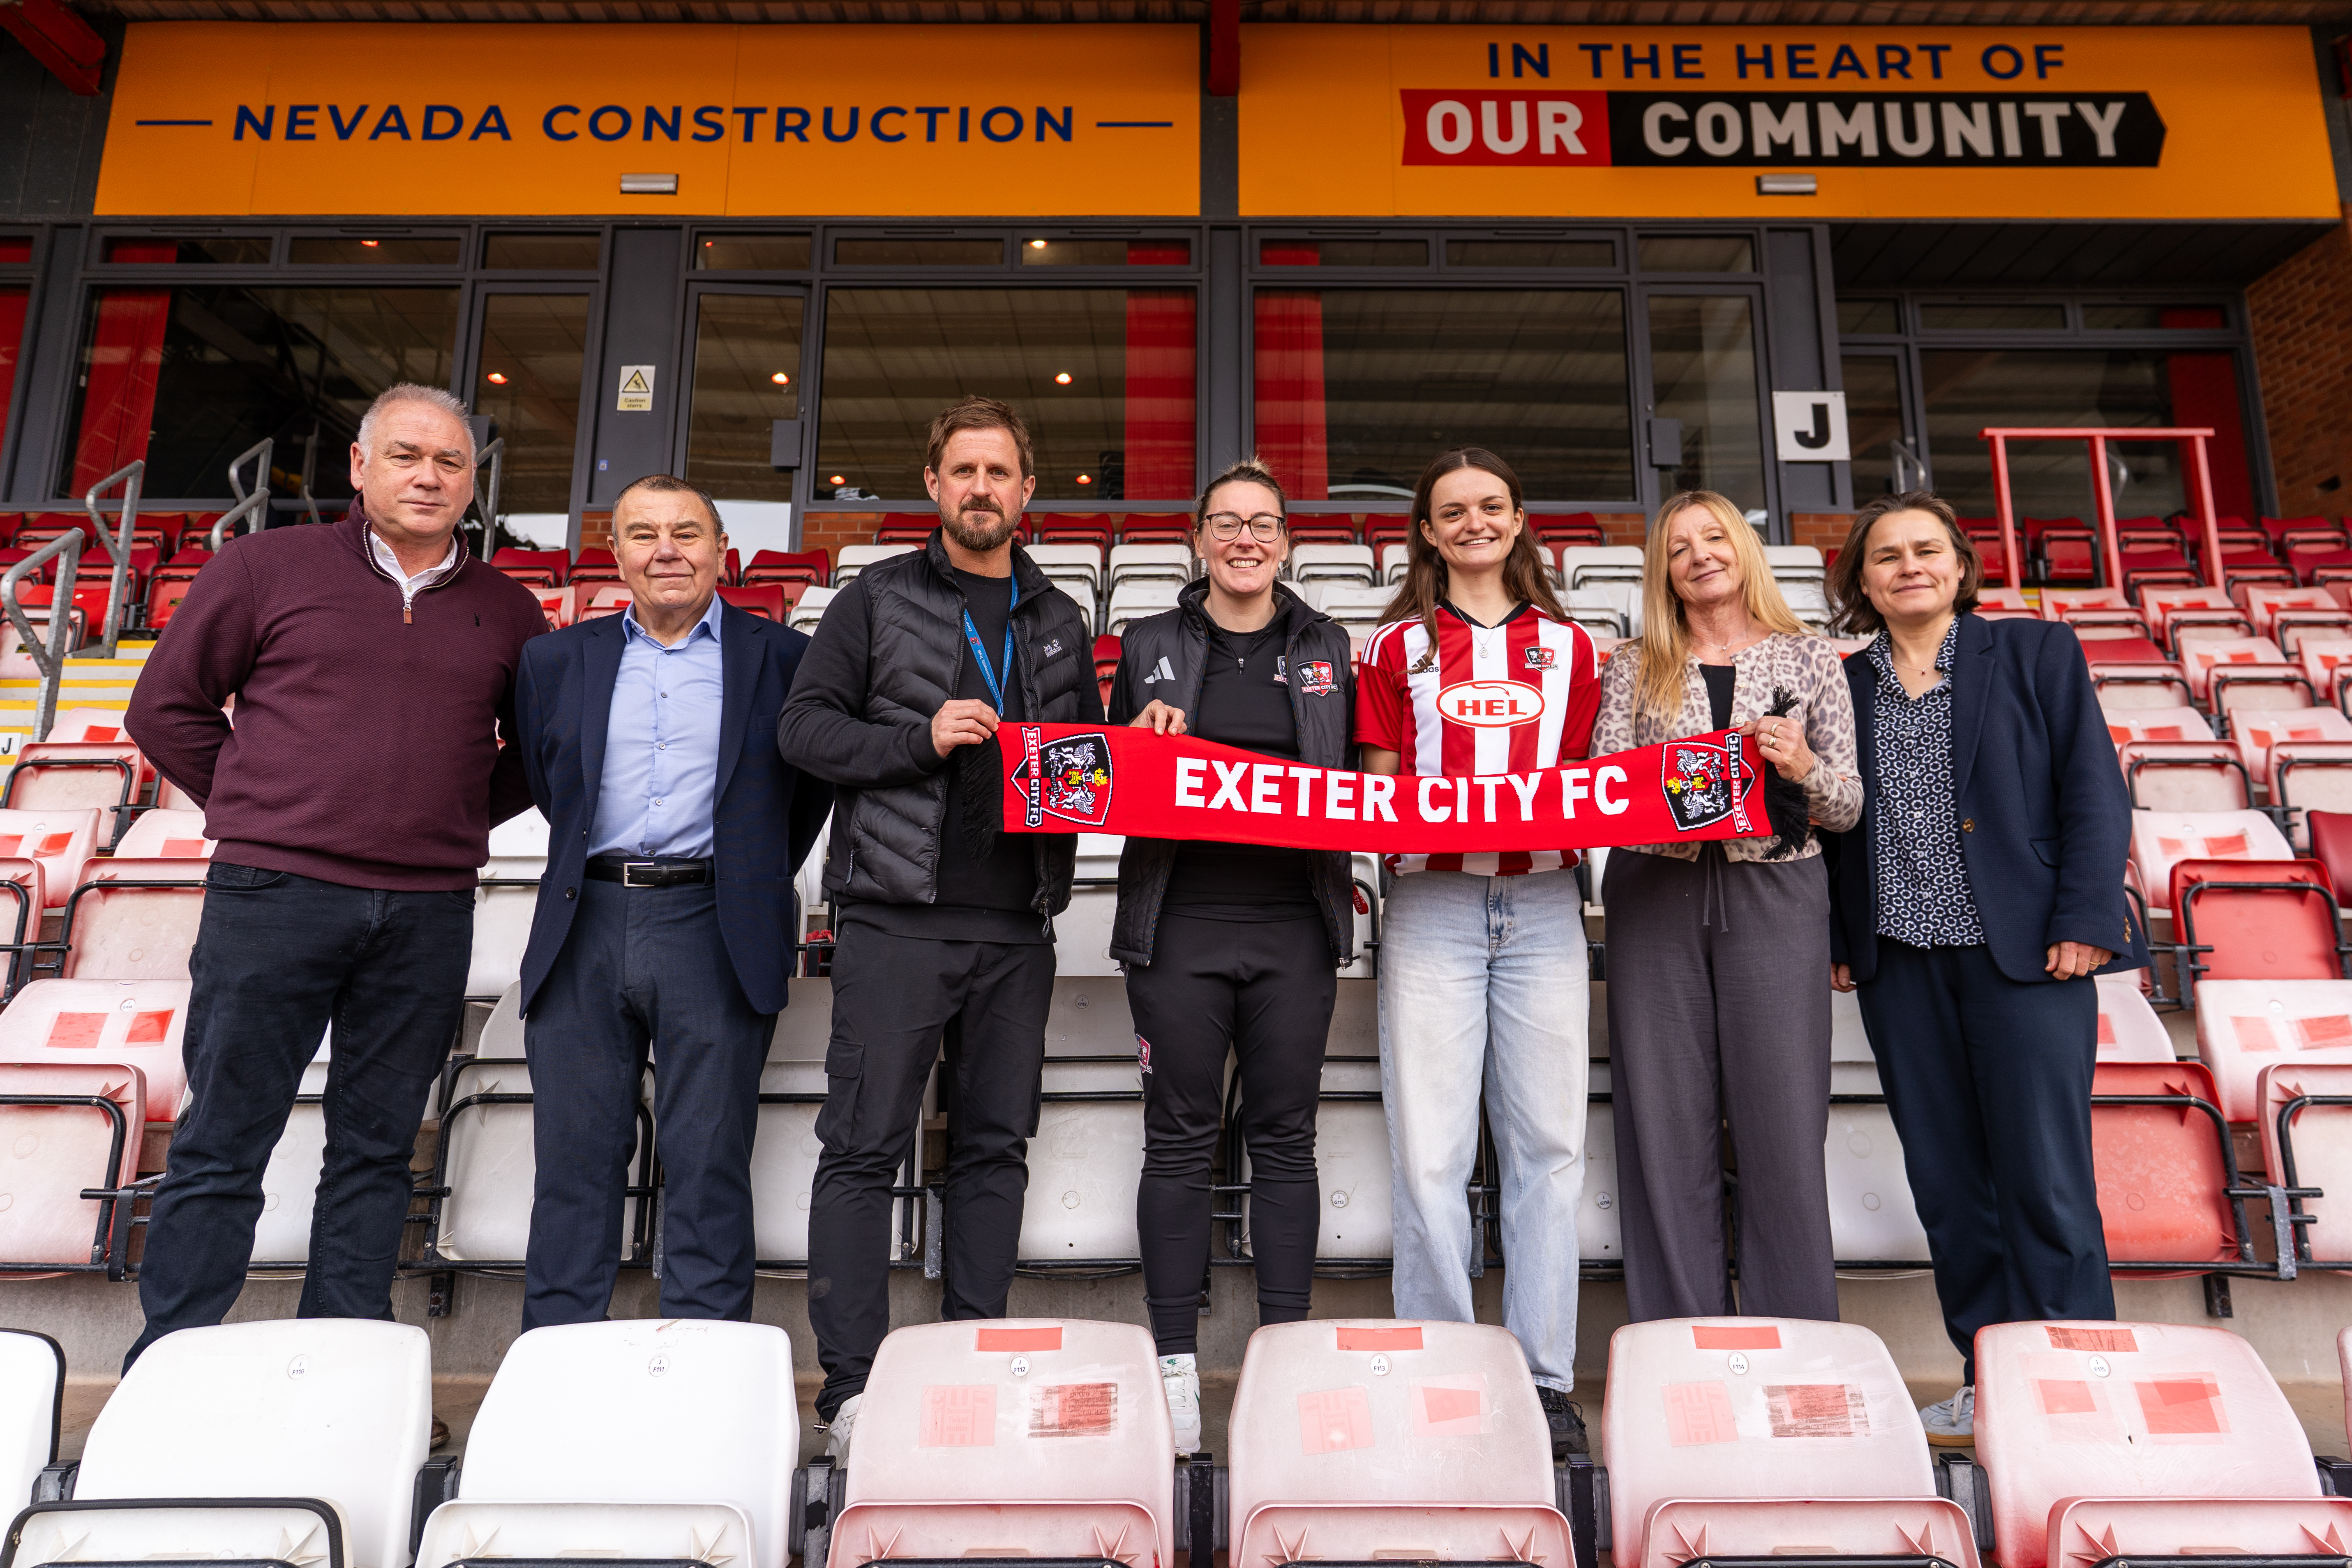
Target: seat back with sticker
(1754, 1408)
(2245, 1025)
(62, 841)
(163, 834)
(2129, 1030)
(130, 1023)
(1025, 1436)
(2162, 838)
(1358, 1440)
(2127, 1411)
(2128, 724)
(571, 1410)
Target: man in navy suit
(664, 919)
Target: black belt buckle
(652, 868)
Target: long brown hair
(1524, 577)
(1665, 632)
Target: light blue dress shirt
(661, 745)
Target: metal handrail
(50, 662)
(495, 455)
(129, 478)
(255, 505)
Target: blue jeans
(1483, 986)
(278, 956)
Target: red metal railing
(2103, 493)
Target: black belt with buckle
(661, 873)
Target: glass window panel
(1343, 253)
(1106, 252)
(188, 377)
(2013, 316)
(2154, 317)
(1530, 253)
(1696, 253)
(1104, 378)
(1703, 364)
(12, 337)
(533, 349)
(942, 252)
(755, 252)
(390, 251)
(1965, 389)
(15, 248)
(1873, 417)
(544, 252)
(1855, 316)
(746, 367)
(1356, 389)
(244, 250)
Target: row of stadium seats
(1726, 1439)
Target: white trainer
(836, 1438)
(1180, 1379)
(1952, 1424)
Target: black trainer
(1566, 1421)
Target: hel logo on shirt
(1490, 704)
(1703, 783)
(1314, 678)
(1070, 778)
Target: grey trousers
(1719, 1011)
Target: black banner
(1923, 130)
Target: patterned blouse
(1807, 667)
(1915, 835)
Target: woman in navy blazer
(1970, 906)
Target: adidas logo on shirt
(1161, 671)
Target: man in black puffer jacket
(946, 923)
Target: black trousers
(644, 969)
(1989, 1081)
(278, 956)
(893, 998)
(1262, 990)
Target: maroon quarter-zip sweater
(365, 749)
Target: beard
(980, 539)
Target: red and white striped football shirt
(1502, 699)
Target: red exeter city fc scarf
(1068, 778)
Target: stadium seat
(560, 606)
(31, 1406)
(809, 608)
(1076, 566)
(652, 1441)
(2263, 603)
(1382, 529)
(2159, 838)
(2307, 776)
(810, 566)
(165, 834)
(314, 1432)
(1171, 564)
(2129, 1030)
(765, 600)
(64, 775)
(504, 901)
(289, 1183)
(125, 1023)
(1355, 1440)
(2186, 775)
(1808, 604)
(2090, 607)
(2246, 1025)
(2200, 653)
(1134, 601)
(2258, 732)
(2169, 609)
(1105, 665)
(1074, 528)
(953, 1432)
(1357, 609)
(62, 841)
(2272, 919)
(1394, 559)
(66, 1128)
(912, 529)
(857, 558)
(1155, 528)
(133, 920)
(1750, 1438)
(2235, 688)
(2161, 1153)
(534, 568)
(2169, 724)
(2156, 1440)
(1580, 564)
(1795, 562)
(1350, 563)
(2306, 1143)
(1874, 1218)
(2323, 659)
(1595, 611)
(1322, 527)
(2331, 844)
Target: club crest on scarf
(1068, 778)
(1705, 781)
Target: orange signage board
(221, 118)
(1889, 122)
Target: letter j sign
(1812, 426)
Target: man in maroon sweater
(372, 661)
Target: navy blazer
(2046, 815)
(766, 816)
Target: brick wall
(2300, 312)
(1824, 530)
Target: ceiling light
(1787, 185)
(1086, 480)
(649, 185)
(497, 378)
(1036, 245)
(836, 480)
(781, 379)
(371, 244)
(1063, 379)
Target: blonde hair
(1665, 634)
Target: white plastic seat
(809, 610)
(99, 775)
(502, 917)
(1753, 1437)
(1358, 1440)
(2161, 838)
(2165, 1437)
(334, 1412)
(1086, 1158)
(289, 1183)
(490, 1164)
(2245, 1025)
(1354, 606)
(1049, 1433)
(1808, 602)
(1580, 564)
(32, 1383)
(1078, 563)
(166, 835)
(853, 559)
(2128, 724)
(649, 1440)
(134, 920)
(520, 838)
(2321, 1139)
(2238, 690)
(62, 841)
(1150, 564)
(2129, 1030)
(1394, 561)
(124, 1023)
(1332, 563)
(1795, 564)
(2321, 657)
(1874, 1218)
(1595, 611)
(1132, 601)
(50, 1154)
(2186, 775)
(1600, 1212)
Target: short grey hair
(438, 397)
(670, 484)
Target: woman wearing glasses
(1231, 946)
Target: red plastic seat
(1156, 527)
(2165, 1170)
(2331, 843)
(810, 566)
(1074, 528)
(906, 527)
(2261, 919)
(764, 600)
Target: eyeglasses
(1226, 526)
